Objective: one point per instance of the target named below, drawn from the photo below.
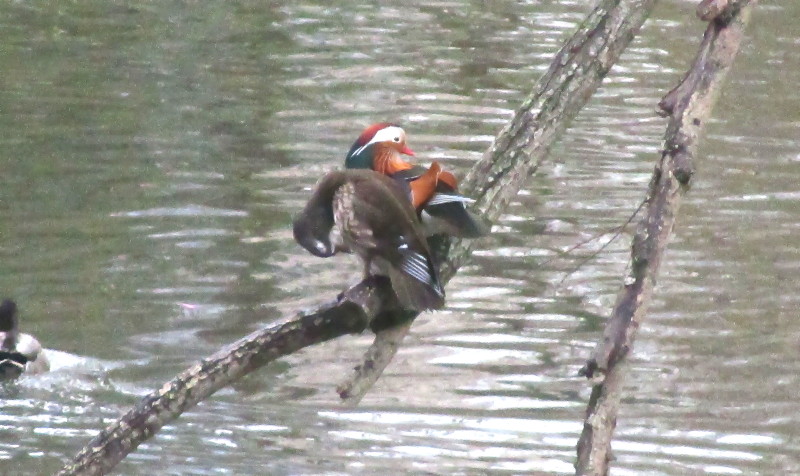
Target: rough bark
(575, 74)
(688, 106)
(350, 313)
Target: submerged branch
(689, 106)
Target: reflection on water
(152, 158)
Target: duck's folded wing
(416, 283)
(399, 244)
(447, 213)
(414, 278)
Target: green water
(151, 158)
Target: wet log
(688, 106)
(574, 75)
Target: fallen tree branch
(350, 313)
(689, 105)
(575, 74)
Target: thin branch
(689, 106)
(617, 232)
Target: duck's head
(379, 148)
(312, 230)
(9, 324)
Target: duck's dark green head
(360, 157)
(12, 363)
(8, 315)
(362, 152)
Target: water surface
(152, 157)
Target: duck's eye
(396, 139)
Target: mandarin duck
(19, 353)
(437, 201)
(374, 220)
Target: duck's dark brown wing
(416, 282)
(396, 242)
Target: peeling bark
(688, 105)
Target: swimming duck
(19, 353)
(374, 220)
(379, 147)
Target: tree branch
(350, 313)
(575, 74)
(688, 106)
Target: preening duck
(376, 221)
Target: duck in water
(19, 353)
